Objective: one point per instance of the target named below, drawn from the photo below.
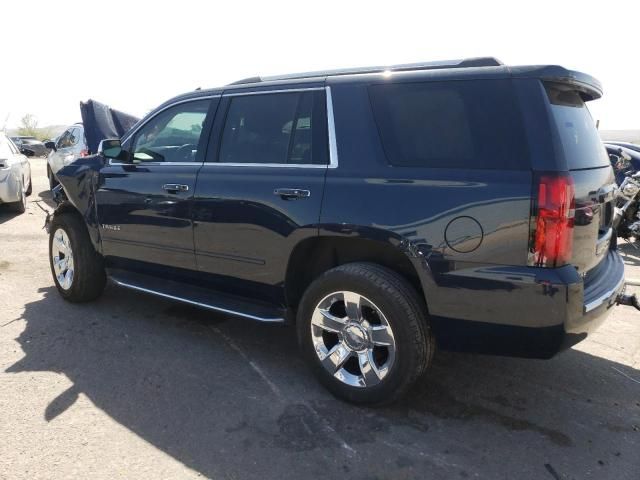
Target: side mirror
(26, 152)
(111, 148)
(50, 145)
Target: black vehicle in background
(381, 210)
(32, 144)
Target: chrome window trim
(268, 165)
(195, 99)
(331, 128)
(116, 164)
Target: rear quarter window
(578, 133)
(456, 124)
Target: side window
(461, 124)
(276, 128)
(73, 137)
(80, 134)
(65, 140)
(173, 135)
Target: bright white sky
(134, 56)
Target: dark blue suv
(383, 211)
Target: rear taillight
(84, 152)
(553, 213)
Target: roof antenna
(199, 88)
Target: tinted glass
(173, 135)
(74, 137)
(457, 124)
(66, 139)
(79, 134)
(274, 128)
(578, 133)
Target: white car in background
(15, 175)
(67, 148)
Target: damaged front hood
(101, 121)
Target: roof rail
(461, 63)
(247, 80)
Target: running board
(198, 296)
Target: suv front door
(260, 191)
(144, 205)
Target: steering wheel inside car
(186, 153)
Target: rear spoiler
(589, 87)
(100, 122)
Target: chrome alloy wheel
(353, 339)
(62, 257)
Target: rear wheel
(364, 330)
(78, 270)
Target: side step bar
(198, 297)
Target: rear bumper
(528, 312)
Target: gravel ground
(131, 386)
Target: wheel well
(67, 207)
(315, 256)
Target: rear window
(580, 140)
(456, 124)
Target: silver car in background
(68, 147)
(15, 175)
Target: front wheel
(78, 270)
(364, 330)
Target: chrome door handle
(175, 187)
(291, 193)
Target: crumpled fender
(80, 180)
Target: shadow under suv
(381, 210)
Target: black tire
(29, 189)
(89, 276)
(21, 205)
(405, 313)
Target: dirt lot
(135, 387)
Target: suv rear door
(260, 190)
